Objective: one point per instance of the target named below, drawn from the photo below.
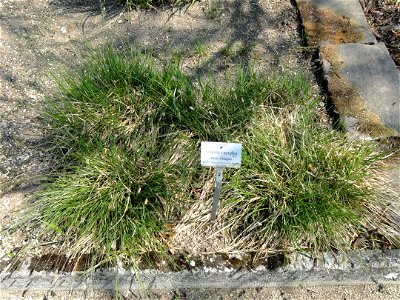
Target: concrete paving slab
(365, 86)
(372, 71)
(335, 21)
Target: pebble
(260, 268)
(210, 270)
(392, 276)
(228, 270)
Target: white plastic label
(219, 155)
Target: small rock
(11, 78)
(25, 267)
(392, 276)
(235, 255)
(63, 30)
(210, 270)
(260, 268)
(192, 263)
(227, 270)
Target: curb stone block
(375, 270)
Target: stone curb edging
(377, 268)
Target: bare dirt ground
(384, 18)
(42, 37)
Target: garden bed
(188, 80)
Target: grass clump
(110, 204)
(125, 133)
(300, 187)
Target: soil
(384, 18)
(42, 37)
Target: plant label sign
(220, 156)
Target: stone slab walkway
(373, 74)
(362, 79)
(335, 21)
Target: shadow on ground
(46, 37)
(106, 7)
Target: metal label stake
(220, 155)
(218, 182)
